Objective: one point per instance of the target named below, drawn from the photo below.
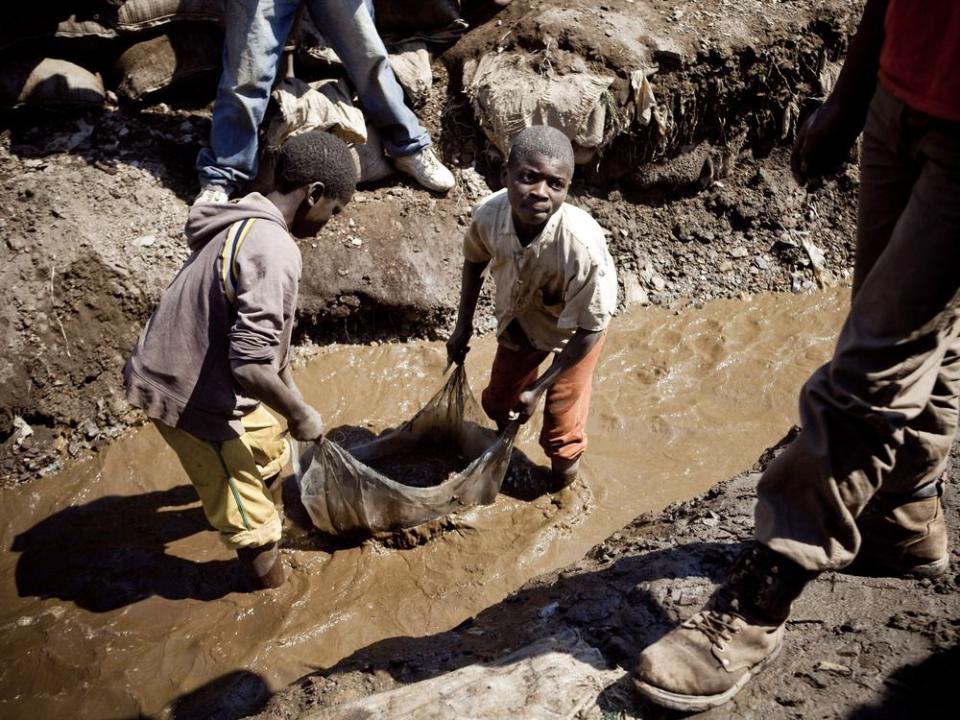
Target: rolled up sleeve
(267, 284)
(590, 297)
(475, 247)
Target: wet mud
(428, 466)
(117, 601)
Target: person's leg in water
(231, 479)
(254, 35)
(512, 371)
(887, 400)
(565, 411)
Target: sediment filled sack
(345, 496)
(508, 95)
(137, 15)
(155, 64)
(34, 28)
(49, 82)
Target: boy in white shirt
(556, 289)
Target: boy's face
(536, 188)
(312, 216)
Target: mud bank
(93, 204)
(855, 647)
(117, 601)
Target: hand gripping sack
(345, 496)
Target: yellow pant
(229, 477)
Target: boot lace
(718, 627)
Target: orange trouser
(563, 435)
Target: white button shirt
(563, 280)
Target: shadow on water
(111, 553)
(235, 695)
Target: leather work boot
(263, 566)
(904, 535)
(707, 659)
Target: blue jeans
(256, 31)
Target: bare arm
(471, 282)
(576, 349)
(261, 381)
(827, 136)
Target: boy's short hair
(316, 156)
(540, 140)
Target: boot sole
(875, 568)
(699, 703)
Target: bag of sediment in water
(441, 460)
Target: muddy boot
(707, 659)
(563, 473)
(263, 566)
(903, 535)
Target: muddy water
(114, 599)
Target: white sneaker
(211, 194)
(425, 167)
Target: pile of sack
(71, 52)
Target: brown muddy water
(115, 599)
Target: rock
(832, 667)
(145, 241)
(633, 292)
(739, 252)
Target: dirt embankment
(856, 647)
(701, 208)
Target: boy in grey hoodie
(217, 347)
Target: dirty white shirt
(563, 280)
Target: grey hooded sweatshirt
(179, 371)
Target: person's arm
(287, 377)
(576, 349)
(471, 282)
(261, 381)
(828, 134)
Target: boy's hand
(306, 424)
(823, 143)
(457, 347)
(526, 405)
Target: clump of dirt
(425, 467)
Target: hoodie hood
(207, 221)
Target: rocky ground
(856, 647)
